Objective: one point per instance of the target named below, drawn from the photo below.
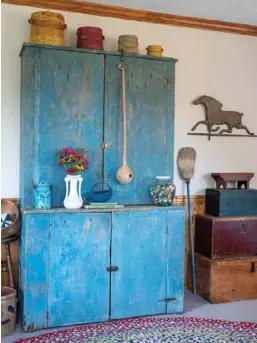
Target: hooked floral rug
(155, 330)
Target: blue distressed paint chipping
(138, 249)
(65, 110)
(150, 121)
(175, 260)
(96, 52)
(34, 271)
(64, 256)
(27, 125)
(78, 281)
(71, 97)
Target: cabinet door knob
(112, 268)
(105, 145)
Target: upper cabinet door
(68, 112)
(150, 120)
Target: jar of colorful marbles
(162, 191)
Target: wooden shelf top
(96, 52)
(63, 210)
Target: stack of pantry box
(226, 241)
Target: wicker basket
(13, 229)
(47, 28)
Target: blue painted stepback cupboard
(87, 266)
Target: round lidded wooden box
(47, 28)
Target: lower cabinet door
(34, 248)
(138, 287)
(175, 260)
(79, 254)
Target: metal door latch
(167, 299)
(112, 268)
(106, 145)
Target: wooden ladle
(124, 174)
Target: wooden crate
(225, 237)
(231, 202)
(226, 280)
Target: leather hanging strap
(124, 115)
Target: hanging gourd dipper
(124, 174)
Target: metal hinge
(112, 268)
(167, 299)
(47, 315)
(106, 145)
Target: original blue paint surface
(64, 257)
(26, 126)
(175, 258)
(150, 120)
(138, 249)
(68, 111)
(34, 271)
(78, 281)
(97, 52)
(71, 97)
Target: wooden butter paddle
(186, 165)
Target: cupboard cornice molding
(138, 15)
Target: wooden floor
(194, 307)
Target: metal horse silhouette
(216, 116)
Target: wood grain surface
(226, 280)
(138, 15)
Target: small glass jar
(163, 191)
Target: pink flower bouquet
(73, 161)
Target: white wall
(212, 63)
(237, 11)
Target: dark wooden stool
(242, 179)
(6, 265)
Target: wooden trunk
(231, 202)
(226, 280)
(217, 237)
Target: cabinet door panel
(26, 127)
(150, 119)
(34, 271)
(175, 260)
(70, 113)
(78, 280)
(138, 249)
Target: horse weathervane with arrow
(214, 115)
